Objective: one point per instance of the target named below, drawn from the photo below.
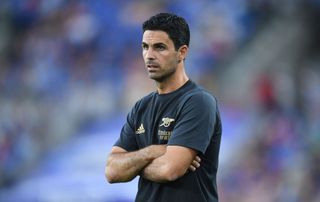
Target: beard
(163, 75)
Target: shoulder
(144, 101)
(140, 106)
(200, 96)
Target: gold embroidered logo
(140, 130)
(164, 135)
(166, 122)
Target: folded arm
(123, 166)
(174, 163)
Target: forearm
(156, 171)
(161, 170)
(124, 166)
(172, 165)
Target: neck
(173, 83)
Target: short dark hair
(175, 26)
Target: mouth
(152, 67)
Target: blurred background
(71, 70)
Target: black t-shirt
(187, 117)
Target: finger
(192, 168)
(198, 159)
(195, 164)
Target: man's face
(159, 54)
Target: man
(170, 132)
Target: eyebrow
(155, 44)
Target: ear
(182, 52)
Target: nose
(149, 54)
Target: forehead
(156, 36)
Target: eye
(160, 47)
(144, 46)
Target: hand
(195, 164)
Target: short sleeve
(195, 124)
(127, 139)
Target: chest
(156, 122)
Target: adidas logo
(140, 130)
